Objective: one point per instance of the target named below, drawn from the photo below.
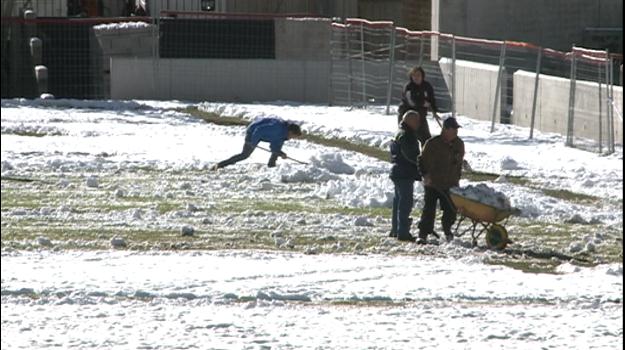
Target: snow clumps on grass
(118, 242)
(92, 181)
(187, 230)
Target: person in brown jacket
(441, 166)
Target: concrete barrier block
(226, 80)
(552, 106)
(475, 87)
(303, 38)
(123, 40)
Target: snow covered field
(302, 257)
(255, 299)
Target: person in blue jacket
(272, 130)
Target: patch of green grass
(569, 195)
(32, 133)
(286, 206)
(17, 199)
(164, 207)
(527, 266)
(213, 117)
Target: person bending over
(272, 130)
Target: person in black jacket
(405, 171)
(418, 96)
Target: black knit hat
(451, 123)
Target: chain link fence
(504, 82)
(351, 62)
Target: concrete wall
(411, 14)
(126, 42)
(555, 23)
(303, 39)
(228, 80)
(552, 107)
(328, 8)
(475, 87)
(300, 72)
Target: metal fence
(499, 81)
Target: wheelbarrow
(482, 218)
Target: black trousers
(428, 215)
(248, 148)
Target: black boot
(448, 235)
(406, 238)
(423, 238)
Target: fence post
(611, 113)
(349, 64)
(599, 78)
(362, 53)
(502, 58)
(535, 99)
(572, 81)
(608, 105)
(421, 48)
(453, 76)
(391, 66)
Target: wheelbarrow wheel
(497, 237)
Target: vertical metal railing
(571, 117)
(536, 86)
(497, 102)
(391, 65)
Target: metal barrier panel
(245, 58)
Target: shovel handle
(293, 159)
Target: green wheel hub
(497, 237)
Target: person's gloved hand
(427, 181)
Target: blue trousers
(402, 207)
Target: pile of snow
(363, 221)
(310, 174)
(370, 192)
(121, 25)
(92, 181)
(333, 162)
(484, 194)
(187, 230)
(508, 163)
(118, 242)
(6, 166)
(44, 241)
